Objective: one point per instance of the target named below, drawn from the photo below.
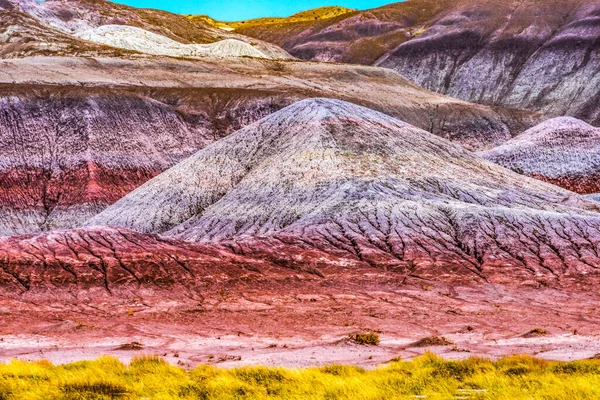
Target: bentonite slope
(68, 152)
(563, 151)
(329, 175)
(21, 35)
(137, 39)
(76, 16)
(474, 126)
(64, 158)
(533, 54)
(78, 134)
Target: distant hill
(21, 35)
(538, 55)
(315, 14)
(76, 16)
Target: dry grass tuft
(515, 378)
(370, 338)
(432, 341)
(133, 346)
(535, 332)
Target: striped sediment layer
(539, 55)
(64, 159)
(131, 119)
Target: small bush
(576, 368)
(260, 375)
(518, 370)
(89, 390)
(133, 346)
(5, 391)
(341, 370)
(203, 373)
(432, 341)
(199, 392)
(145, 361)
(535, 332)
(450, 369)
(370, 339)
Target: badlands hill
(79, 133)
(330, 220)
(64, 157)
(137, 39)
(533, 54)
(339, 178)
(78, 16)
(563, 151)
(22, 35)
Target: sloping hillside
(113, 123)
(22, 35)
(143, 41)
(75, 16)
(329, 175)
(534, 54)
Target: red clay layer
(579, 184)
(74, 295)
(29, 188)
(117, 262)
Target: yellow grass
(511, 378)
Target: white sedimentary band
(137, 39)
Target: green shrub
(341, 370)
(432, 341)
(370, 339)
(95, 390)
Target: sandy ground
(309, 326)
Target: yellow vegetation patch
(429, 377)
(419, 32)
(315, 14)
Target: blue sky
(236, 10)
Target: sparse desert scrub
(517, 377)
(368, 338)
(432, 341)
(535, 332)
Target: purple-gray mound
(350, 181)
(563, 151)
